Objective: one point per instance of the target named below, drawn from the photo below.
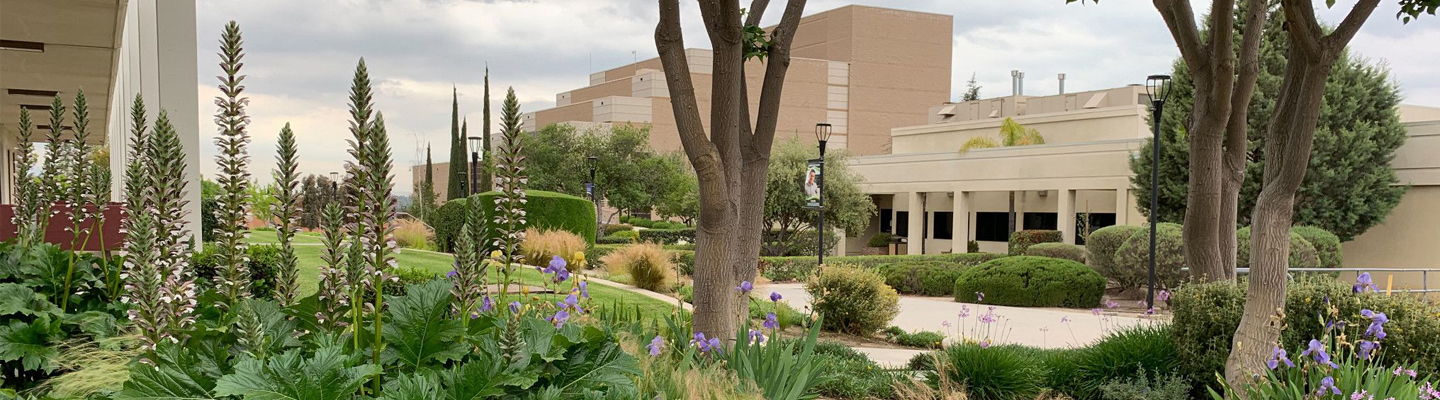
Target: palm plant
(510, 181)
(1011, 134)
(287, 209)
(233, 281)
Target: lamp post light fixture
(591, 161)
(335, 182)
(475, 143)
(1157, 87)
(822, 135)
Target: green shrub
(264, 267)
(1027, 281)
(1206, 316)
(782, 269)
(972, 247)
(208, 221)
(1302, 252)
(613, 240)
(1062, 370)
(666, 236)
(547, 210)
(594, 253)
(848, 374)
(995, 373)
(1133, 259)
(447, 221)
(918, 339)
(648, 266)
(408, 276)
(684, 260)
(1327, 245)
(1121, 355)
(784, 314)
(1058, 250)
(1023, 239)
(611, 229)
(633, 236)
(882, 239)
(1143, 387)
(925, 278)
(1101, 248)
(853, 300)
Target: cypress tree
(457, 188)
(486, 183)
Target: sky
(300, 56)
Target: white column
(960, 228)
(1122, 206)
(916, 234)
(839, 245)
(1067, 215)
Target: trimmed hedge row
(925, 278)
(1302, 252)
(1023, 239)
(782, 269)
(543, 210)
(1101, 247)
(1058, 250)
(667, 236)
(1133, 258)
(1027, 281)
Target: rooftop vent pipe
(1062, 83)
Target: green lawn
(440, 263)
(268, 237)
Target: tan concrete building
(864, 70)
(939, 198)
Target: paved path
(1037, 327)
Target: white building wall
(157, 60)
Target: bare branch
(1181, 21)
(1222, 34)
(775, 68)
(1337, 40)
(671, 45)
(756, 11)
(1305, 31)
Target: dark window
(885, 219)
(944, 224)
(992, 227)
(902, 223)
(1041, 220)
(1097, 221)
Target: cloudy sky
(300, 56)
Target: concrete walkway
(1036, 327)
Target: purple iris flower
(561, 275)
(771, 322)
(514, 307)
(1278, 356)
(656, 345)
(1366, 347)
(560, 318)
(1377, 323)
(556, 264)
(745, 287)
(774, 297)
(452, 274)
(585, 289)
(1317, 350)
(701, 343)
(572, 302)
(1327, 383)
(756, 336)
(487, 305)
(1363, 283)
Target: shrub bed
(264, 267)
(548, 210)
(611, 239)
(1101, 247)
(1133, 259)
(925, 278)
(994, 373)
(1023, 239)
(1027, 281)
(1302, 252)
(1058, 250)
(781, 269)
(447, 220)
(611, 229)
(853, 300)
(1327, 245)
(1206, 316)
(667, 236)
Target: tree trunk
(1287, 155)
(1202, 204)
(1236, 144)
(1011, 217)
(751, 230)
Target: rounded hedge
(925, 278)
(1327, 245)
(1028, 281)
(1132, 261)
(1101, 246)
(1302, 253)
(1058, 250)
(543, 210)
(853, 300)
(447, 221)
(1023, 239)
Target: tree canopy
(1349, 186)
(846, 207)
(629, 174)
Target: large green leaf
(420, 330)
(328, 375)
(20, 299)
(594, 367)
(183, 373)
(479, 379)
(29, 342)
(413, 387)
(278, 328)
(97, 324)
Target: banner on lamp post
(812, 183)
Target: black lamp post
(335, 182)
(591, 161)
(1158, 88)
(822, 134)
(475, 143)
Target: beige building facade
(939, 198)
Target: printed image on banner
(812, 184)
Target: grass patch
(269, 237)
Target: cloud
(300, 56)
